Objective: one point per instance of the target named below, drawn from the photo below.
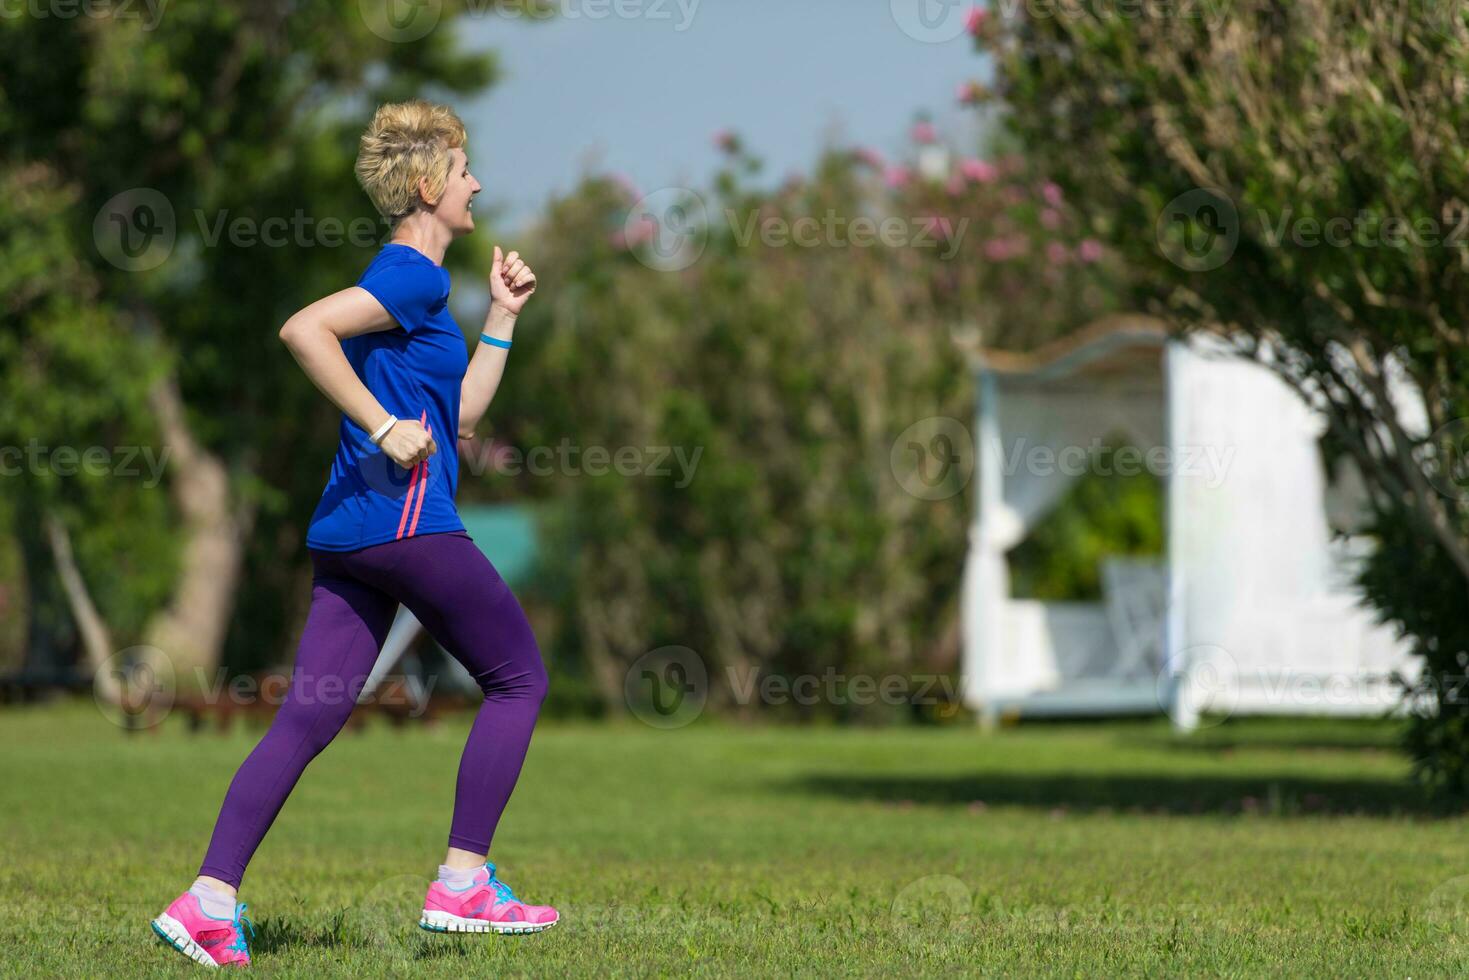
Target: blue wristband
(485, 338)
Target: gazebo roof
(1117, 346)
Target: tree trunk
(191, 629)
(96, 637)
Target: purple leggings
(457, 595)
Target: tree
(176, 187)
(796, 346)
(1296, 173)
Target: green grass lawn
(1258, 848)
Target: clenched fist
(408, 444)
(511, 282)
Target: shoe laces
(242, 923)
(502, 890)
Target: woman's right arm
(314, 337)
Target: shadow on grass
(445, 947)
(1225, 744)
(276, 934)
(281, 934)
(1138, 793)
(1275, 735)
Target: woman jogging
(389, 355)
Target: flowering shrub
(1298, 171)
(785, 338)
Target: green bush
(1296, 172)
(1104, 513)
(788, 372)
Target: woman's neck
(421, 232)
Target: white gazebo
(1250, 610)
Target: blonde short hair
(404, 142)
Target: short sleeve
(409, 291)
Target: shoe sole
(436, 921)
(172, 931)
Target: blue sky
(643, 95)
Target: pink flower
(970, 93)
(938, 225)
(1052, 194)
(868, 157)
(1057, 253)
(1051, 218)
(956, 185)
(624, 183)
(727, 141)
(896, 177)
(923, 132)
(978, 170)
(975, 22)
(1089, 251)
(645, 229)
(1004, 248)
(634, 233)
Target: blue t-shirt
(415, 371)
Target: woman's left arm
(511, 284)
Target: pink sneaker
(488, 905)
(201, 937)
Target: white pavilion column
(986, 577)
(1174, 689)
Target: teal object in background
(506, 533)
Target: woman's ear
(423, 192)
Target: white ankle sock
(458, 877)
(213, 901)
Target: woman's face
(454, 204)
